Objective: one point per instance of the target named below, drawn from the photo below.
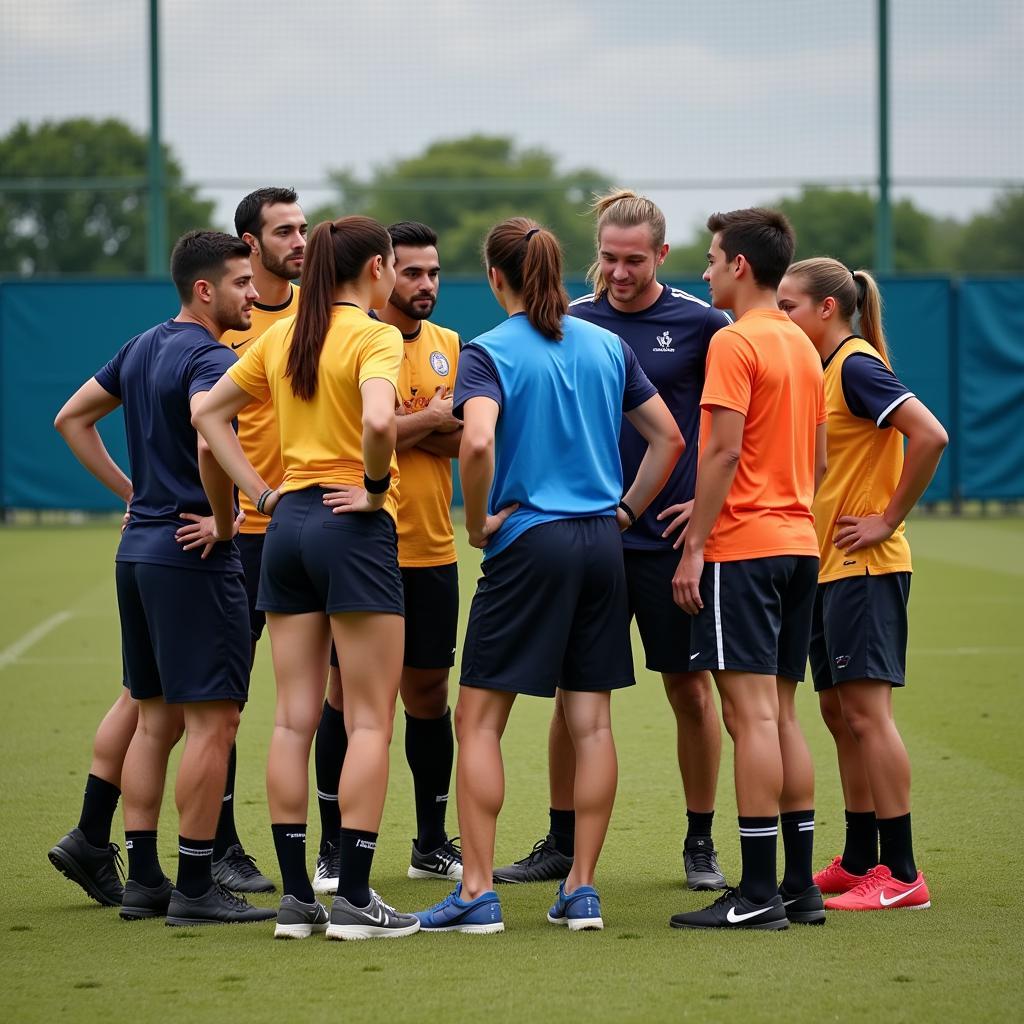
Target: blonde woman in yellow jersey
(332, 375)
(859, 639)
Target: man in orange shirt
(750, 561)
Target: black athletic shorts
(664, 627)
(756, 616)
(860, 630)
(551, 611)
(315, 561)
(250, 550)
(184, 633)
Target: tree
(85, 230)
(461, 187)
(995, 240)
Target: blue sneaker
(580, 909)
(481, 916)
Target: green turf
(64, 957)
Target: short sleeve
(109, 377)
(381, 356)
(477, 378)
(638, 388)
(871, 390)
(250, 372)
(207, 366)
(730, 371)
(713, 323)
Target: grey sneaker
(700, 862)
(216, 906)
(237, 871)
(444, 862)
(144, 901)
(298, 920)
(96, 869)
(375, 921)
(543, 864)
(328, 867)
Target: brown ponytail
(336, 253)
(853, 292)
(531, 259)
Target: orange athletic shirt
(257, 424)
(766, 368)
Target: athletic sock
(798, 842)
(758, 839)
(860, 853)
(329, 756)
(143, 862)
(357, 848)
(98, 806)
(430, 751)
(563, 831)
(227, 835)
(195, 864)
(897, 847)
(698, 824)
(290, 844)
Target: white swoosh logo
(786, 903)
(376, 915)
(896, 899)
(733, 918)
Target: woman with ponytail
(859, 638)
(542, 398)
(330, 565)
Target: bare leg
(852, 775)
(145, 764)
(210, 728)
(561, 759)
(113, 738)
(698, 736)
(797, 766)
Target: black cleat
(328, 869)
(731, 911)
(237, 871)
(544, 864)
(143, 901)
(805, 907)
(216, 906)
(444, 862)
(97, 869)
(700, 862)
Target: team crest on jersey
(439, 362)
(664, 343)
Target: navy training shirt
(872, 391)
(670, 339)
(155, 375)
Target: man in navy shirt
(669, 332)
(184, 617)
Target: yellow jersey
(425, 533)
(257, 425)
(321, 440)
(865, 459)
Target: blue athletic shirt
(155, 375)
(670, 339)
(556, 444)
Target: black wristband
(262, 500)
(629, 512)
(381, 486)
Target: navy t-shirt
(670, 339)
(872, 391)
(155, 375)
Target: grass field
(64, 957)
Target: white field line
(11, 654)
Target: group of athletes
(774, 531)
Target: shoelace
(118, 862)
(727, 895)
(243, 863)
(236, 902)
(703, 860)
(870, 882)
(539, 847)
(452, 848)
(332, 859)
(374, 895)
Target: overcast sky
(650, 93)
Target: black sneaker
(444, 862)
(374, 921)
(298, 920)
(805, 907)
(700, 862)
(216, 906)
(544, 864)
(731, 910)
(97, 869)
(142, 901)
(237, 871)
(328, 868)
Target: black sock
(758, 839)
(98, 806)
(698, 824)
(798, 842)
(227, 835)
(290, 844)
(195, 862)
(329, 755)
(896, 847)
(430, 751)
(563, 831)
(357, 849)
(861, 851)
(143, 862)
